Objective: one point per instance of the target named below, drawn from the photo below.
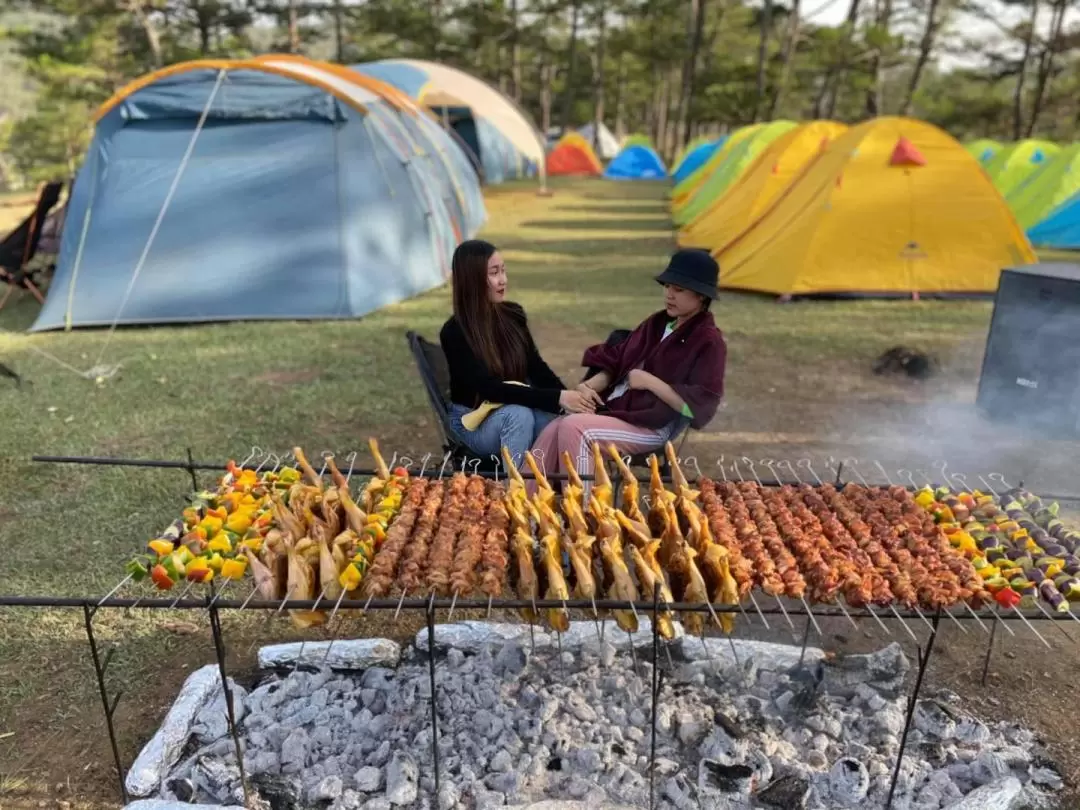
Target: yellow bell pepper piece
(239, 522)
(350, 578)
(161, 547)
(211, 525)
(989, 572)
(1053, 569)
(924, 498)
(220, 542)
(234, 569)
(253, 543)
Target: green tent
(984, 149)
(637, 139)
(738, 159)
(1017, 162)
(1055, 181)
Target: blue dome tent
(636, 163)
(696, 158)
(257, 189)
(1061, 229)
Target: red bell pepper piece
(161, 578)
(1007, 598)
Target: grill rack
(214, 602)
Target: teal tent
(636, 163)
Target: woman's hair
(493, 331)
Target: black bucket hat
(692, 269)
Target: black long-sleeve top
(472, 382)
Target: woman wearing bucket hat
(667, 374)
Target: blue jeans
(514, 427)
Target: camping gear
(269, 188)
(636, 163)
(983, 150)
(1061, 229)
(893, 207)
(497, 131)
(21, 245)
(774, 170)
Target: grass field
(582, 262)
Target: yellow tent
(783, 163)
(688, 187)
(894, 207)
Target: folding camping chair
(435, 373)
(20, 246)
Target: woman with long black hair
(502, 392)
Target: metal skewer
(218, 593)
(812, 618)
(809, 468)
(954, 619)
(843, 610)
(400, 601)
(1056, 624)
(1031, 627)
(187, 590)
(723, 473)
(250, 596)
(877, 618)
(488, 616)
(911, 632)
(791, 467)
(922, 616)
(1002, 622)
(884, 472)
(757, 607)
(854, 464)
(119, 585)
(784, 611)
(453, 602)
(976, 617)
(753, 471)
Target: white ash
(517, 727)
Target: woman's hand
(590, 394)
(576, 402)
(641, 380)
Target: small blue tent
(1061, 229)
(636, 163)
(696, 158)
(256, 189)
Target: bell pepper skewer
(1046, 613)
(119, 585)
(1031, 627)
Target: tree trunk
(620, 83)
(926, 46)
(515, 54)
(1046, 62)
(1021, 77)
(598, 73)
(153, 40)
(834, 77)
(293, 17)
(546, 71)
(762, 56)
(695, 30)
(787, 54)
(571, 60)
(874, 102)
(436, 29)
(339, 32)
(204, 22)
(663, 102)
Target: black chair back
(19, 246)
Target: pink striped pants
(576, 433)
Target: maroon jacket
(691, 361)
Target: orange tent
(573, 155)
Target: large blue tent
(696, 158)
(1061, 229)
(255, 190)
(636, 163)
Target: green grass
(582, 263)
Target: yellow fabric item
(785, 160)
(1015, 163)
(474, 418)
(1054, 182)
(738, 160)
(682, 193)
(855, 223)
